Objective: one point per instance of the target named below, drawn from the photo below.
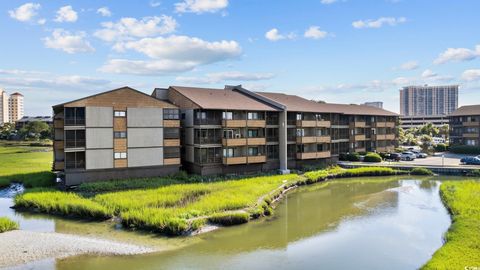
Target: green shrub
(441, 147)
(315, 176)
(475, 173)
(349, 157)
(7, 224)
(465, 149)
(369, 171)
(372, 157)
(421, 171)
(229, 219)
(198, 224)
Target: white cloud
(328, 2)
(128, 28)
(172, 54)
(66, 14)
(155, 4)
(427, 73)
(104, 11)
(457, 55)
(410, 65)
(68, 42)
(42, 21)
(226, 76)
(471, 75)
(378, 22)
(25, 13)
(314, 32)
(200, 6)
(274, 35)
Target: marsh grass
(462, 247)
(7, 224)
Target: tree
(429, 129)
(426, 141)
(36, 129)
(6, 130)
(444, 131)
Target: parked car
(393, 157)
(470, 160)
(419, 154)
(408, 156)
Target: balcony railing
(234, 160)
(74, 121)
(234, 142)
(234, 123)
(313, 155)
(256, 123)
(74, 143)
(208, 140)
(256, 141)
(256, 159)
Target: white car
(408, 156)
(419, 154)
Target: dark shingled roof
(467, 110)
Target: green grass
(421, 171)
(26, 164)
(462, 247)
(337, 172)
(7, 224)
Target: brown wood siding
(180, 100)
(171, 123)
(120, 145)
(120, 163)
(171, 142)
(120, 124)
(171, 161)
(121, 98)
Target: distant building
(465, 126)
(407, 122)
(27, 119)
(376, 104)
(15, 107)
(3, 107)
(428, 100)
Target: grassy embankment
(179, 208)
(462, 247)
(30, 165)
(7, 224)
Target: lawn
(30, 165)
(462, 247)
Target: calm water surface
(348, 224)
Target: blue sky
(344, 51)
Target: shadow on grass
(29, 180)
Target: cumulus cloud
(66, 14)
(328, 2)
(104, 11)
(378, 22)
(457, 55)
(155, 4)
(471, 75)
(226, 76)
(274, 35)
(68, 42)
(129, 28)
(172, 54)
(428, 74)
(314, 32)
(25, 13)
(200, 6)
(410, 65)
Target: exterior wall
(144, 117)
(141, 157)
(145, 137)
(428, 100)
(99, 138)
(465, 130)
(15, 107)
(3, 107)
(99, 159)
(99, 117)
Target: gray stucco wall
(138, 157)
(189, 139)
(188, 121)
(99, 137)
(99, 117)
(99, 159)
(144, 117)
(189, 153)
(145, 137)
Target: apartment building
(3, 107)
(407, 122)
(465, 126)
(234, 130)
(428, 100)
(117, 134)
(15, 107)
(377, 104)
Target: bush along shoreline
(181, 209)
(7, 224)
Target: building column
(282, 141)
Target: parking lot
(447, 160)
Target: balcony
(360, 149)
(383, 124)
(306, 123)
(323, 123)
(256, 123)
(234, 123)
(171, 123)
(171, 161)
(75, 144)
(171, 142)
(382, 137)
(470, 124)
(256, 141)
(323, 139)
(313, 155)
(74, 121)
(359, 137)
(470, 135)
(234, 142)
(360, 124)
(256, 159)
(385, 148)
(234, 160)
(308, 139)
(58, 145)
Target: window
(299, 116)
(300, 132)
(171, 152)
(228, 152)
(171, 114)
(471, 142)
(253, 116)
(171, 133)
(120, 134)
(253, 133)
(253, 151)
(75, 138)
(120, 155)
(227, 115)
(120, 113)
(74, 116)
(201, 115)
(75, 160)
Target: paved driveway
(449, 159)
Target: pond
(366, 223)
